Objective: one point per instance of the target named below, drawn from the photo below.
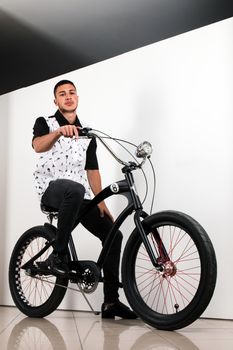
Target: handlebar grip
(84, 131)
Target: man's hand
(94, 180)
(45, 143)
(68, 131)
(105, 211)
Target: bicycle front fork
(137, 219)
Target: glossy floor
(65, 330)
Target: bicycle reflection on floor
(43, 334)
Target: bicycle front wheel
(35, 295)
(177, 294)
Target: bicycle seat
(48, 210)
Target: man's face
(66, 98)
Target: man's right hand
(68, 131)
(45, 143)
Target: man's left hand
(105, 211)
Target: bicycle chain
(79, 290)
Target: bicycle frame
(126, 188)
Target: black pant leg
(66, 196)
(100, 227)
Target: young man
(66, 173)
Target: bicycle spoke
(34, 291)
(172, 289)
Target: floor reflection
(126, 330)
(91, 333)
(31, 333)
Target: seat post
(51, 213)
(50, 217)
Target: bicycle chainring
(90, 278)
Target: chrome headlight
(144, 150)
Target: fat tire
(208, 272)
(18, 294)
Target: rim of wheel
(33, 291)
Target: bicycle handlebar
(143, 150)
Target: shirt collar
(63, 121)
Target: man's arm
(95, 183)
(45, 143)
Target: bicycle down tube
(123, 187)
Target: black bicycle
(169, 266)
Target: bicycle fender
(52, 229)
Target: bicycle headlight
(144, 150)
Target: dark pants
(67, 197)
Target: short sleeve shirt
(41, 128)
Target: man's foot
(55, 264)
(117, 309)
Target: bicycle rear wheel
(35, 295)
(178, 294)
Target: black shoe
(117, 309)
(55, 264)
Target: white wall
(176, 93)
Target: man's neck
(71, 117)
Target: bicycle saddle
(46, 209)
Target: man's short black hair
(62, 82)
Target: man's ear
(55, 101)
